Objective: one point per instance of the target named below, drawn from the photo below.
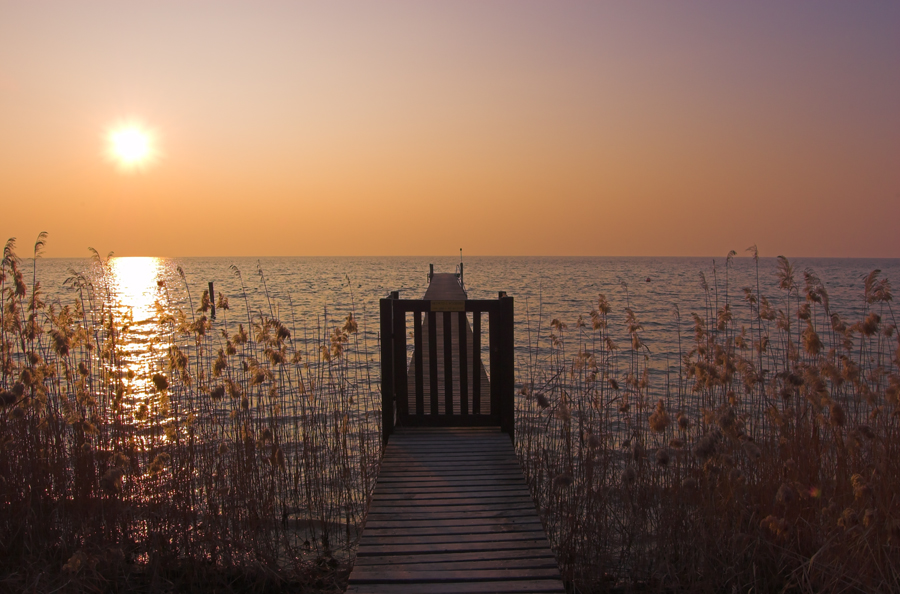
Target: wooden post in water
(212, 300)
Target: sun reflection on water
(135, 284)
(137, 292)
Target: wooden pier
(451, 512)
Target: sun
(131, 146)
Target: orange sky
(664, 128)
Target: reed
(239, 457)
(770, 463)
(241, 454)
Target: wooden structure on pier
(451, 511)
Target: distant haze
(383, 128)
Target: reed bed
(228, 455)
(768, 461)
(239, 454)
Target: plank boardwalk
(451, 512)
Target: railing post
(401, 387)
(387, 367)
(506, 374)
(430, 272)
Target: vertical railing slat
(506, 376)
(462, 324)
(420, 383)
(448, 365)
(432, 361)
(476, 362)
(387, 370)
(400, 373)
(494, 357)
(397, 387)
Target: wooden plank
(505, 376)
(457, 511)
(451, 462)
(454, 455)
(419, 376)
(450, 474)
(494, 538)
(514, 563)
(448, 366)
(432, 480)
(447, 433)
(449, 547)
(432, 362)
(401, 386)
(425, 528)
(385, 523)
(537, 555)
(412, 486)
(424, 448)
(451, 513)
(476, 360)
(524, 586)
(459, 440)
(447, 491)
(450, 477)
(482, 510)
(387, 369)
(462, 356)
(455, 534)
(374, 575)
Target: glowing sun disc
(131, 146)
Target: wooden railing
(463, 406)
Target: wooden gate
(442, 383)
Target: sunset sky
(406, 128)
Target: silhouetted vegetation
(770, 463)
(239, 460)
(241, 453)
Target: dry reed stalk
(779, 473)
(247, 457)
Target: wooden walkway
(451, 512)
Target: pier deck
(451, 512)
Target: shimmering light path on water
(304, 290)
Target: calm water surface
(307, 293)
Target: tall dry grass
(770, 461)
(240, 458)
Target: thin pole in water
(212, 301)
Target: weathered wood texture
(451, 513)
(441, 380)
(456, 376)
(444, 287)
